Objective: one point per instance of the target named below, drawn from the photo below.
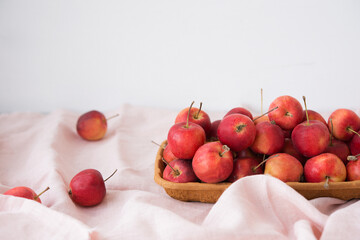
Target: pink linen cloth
(40, 150)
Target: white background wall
(86, 54)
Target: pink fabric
(40, 150)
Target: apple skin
(202, 119)
(186, 173)
(313, 115)
(211, 164)
(87, 188)
(244, 167)
(325, 165)
(269, 138)
(285, 167)
(213, 131)
(240, 110)
(290, 149)
(185, 140)
(168, 155)
(288, 114)
(342, 120)
(354, 144)
(246, 153)
(264, 118)
(237, 131)
(92, 125)
(339, 148)
(24, 192)
(353, 170)
(310, 139)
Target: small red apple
(313, 115)
(197, 116)
(325, 167)
(345, 123)
(179, 171)
(213, 130)
(269, 138)
(213, 162)
(185, 138)
(244, 167)
(237, 131)
(311, 137)
(87, 188)
(258, 119)
(290, 149)
(289, 112)
(354, 144)
(168, 155)
(353, 169)
(25, 192)
(241, 111)
(284, 167)
(339, 148)
(92, 125)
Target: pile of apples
(86, 188)
(288, 142)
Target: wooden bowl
(210, 193)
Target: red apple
(213, 130)
(246, 153)
(325, 167)
(87, 188)
(339, 148)
(92, 125)
(240, 110)
(259, 119)
(310, 138)
(313, 115)
(213, 162)
(244, 167)
(179, 171)
(344, 122)
(290, 149)
(237, 131)
(284, 167)
(168, 155)
(269, 138)
(289, 112)
(184, 139)
(197, 116)
(353, 170)
(25, 192)
(354, 144)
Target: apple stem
(226, 149)
(188, 116)
(352, 130)
(110, 175)
(263, 161)
(265, 113)
(326, 184)
(306, 112)
(197, 115)
(262, 101)
(163, 147)
(37, 196)
(114, 116)
(353, 158)
(177, 173)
